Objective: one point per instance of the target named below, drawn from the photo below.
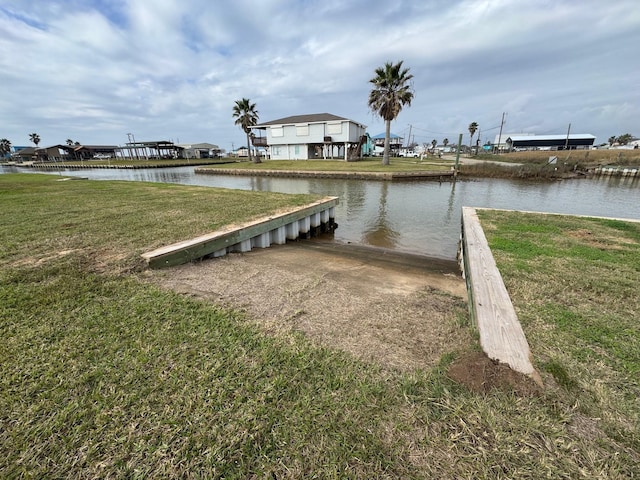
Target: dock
(304, 222)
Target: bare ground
(399, 311)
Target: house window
(277, 132)
(334, 128)
(302, 130)
(297, 150)
(275, 150)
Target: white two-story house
(314, 136)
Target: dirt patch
(396, 310)
(600, 241)
(481, 374)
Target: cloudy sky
(96, 70)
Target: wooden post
(455, 170)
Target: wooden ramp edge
(490, 307)
(274, 229)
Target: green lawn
(105, 375)
(574, 283)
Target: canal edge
(303, 222)
(416, 175)
(490, 308)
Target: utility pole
(500, 135)
(566, 142)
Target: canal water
(421, 217)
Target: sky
(95, 71)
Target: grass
(574, 283)
(105, 375)
(365, 165)
(581, 158)
(105, 219)
(535, 164)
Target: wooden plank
(501, 335)
(189, 250)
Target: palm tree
(445, 142)
(434, 142)
(391, 91)
(69, 142)
(5, 147)
(35, 138)
(473, 128)
(246, 117)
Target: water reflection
(377, 230)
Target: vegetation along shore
(525, 165)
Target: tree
(246, 117)
(392, 90)
(35, 138)
(624, 139)
(445, 142)
(434, 142)
(5, 147)
(473, 128)
(612, 140)
(69, 142)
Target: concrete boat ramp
(491, 310)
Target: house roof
(381, 136)
(25, 151)
(576, 136)
(309, 118)
(574, 140)
(209, 146)
(89, 147)
(502, 137)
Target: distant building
(550, 142)
(319, 135)
(395, 142)
(500, 141)
(199, 150)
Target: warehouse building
(550, 142)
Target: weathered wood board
(501, 335)
(195, 248)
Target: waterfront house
(313, 136)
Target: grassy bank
(587, 158)
(105, 375)
(533, 171)
(535, 164)
(140, 162)
(574, 283)
(365, 165)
